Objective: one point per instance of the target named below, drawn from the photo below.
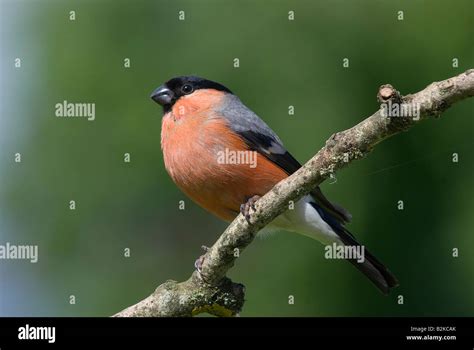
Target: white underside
(304, 219)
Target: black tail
(371, 267)
(375, 271)
(380, 276)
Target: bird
(203, 120)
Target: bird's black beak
(163, 95)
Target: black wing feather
(264, 144)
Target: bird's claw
(247, 206)
(199, 261)
(198, 265)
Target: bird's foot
(199, 261)
(250, 204)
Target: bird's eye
(187, 89)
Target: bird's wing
(261, 138)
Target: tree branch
(212, 291)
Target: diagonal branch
(212, 291)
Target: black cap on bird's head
(168, 93)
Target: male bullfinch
(204, 120)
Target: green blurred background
(135, 205)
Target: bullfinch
(203, 121)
